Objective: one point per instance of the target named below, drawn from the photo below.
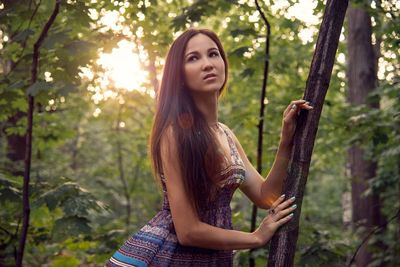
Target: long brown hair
(196, 144)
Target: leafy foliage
(92, 184)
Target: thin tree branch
(30, 20)
(6, 231)
(373, 231)
(260, 121)
(120, 163)
(28, 151)
(24, 42)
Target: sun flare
(123, 68)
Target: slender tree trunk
(74, 148)
(362, 72)
(121, 171)
(28, 143)
(15, 142)
(283, 245)
(15, 147)
(261, 120)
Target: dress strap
(233, 149)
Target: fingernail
(292, 198)
(283, 196)
(294, 206)
(291, 215)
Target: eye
(192, 58)
(214, 54)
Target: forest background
(99, 67)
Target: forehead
(200, 42)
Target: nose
(207, 65)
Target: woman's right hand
(280, 213)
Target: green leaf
(55, 38)
(70, 226)
(78, 47)
(8, 192)
(66, 89)
(73, 199)
(246, 32)
(35, 88)
(77, 206)
(22, 36)
(20, 104)
(16, 85)
(65, 261)
(247, 72)
(240, 51)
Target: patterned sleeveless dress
(156, 244)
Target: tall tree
(283, 244)
(362, 80)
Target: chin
(207, 89)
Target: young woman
(200, 163)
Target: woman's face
(204, 67)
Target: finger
(278, 201)
(286, 110)
(285, 219)
(305, 105)
(300, 101)
(297, 102)
(285, 204)
(286, 211)
(291, 114)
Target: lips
(209, 75)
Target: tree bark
(28, 143)
(283, 244)
(362, 79)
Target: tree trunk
(283, 243)
(261, 120)
(28, 144)
(121, 170)
(361, 73)
(15, 147)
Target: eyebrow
(197, 52)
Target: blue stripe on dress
(125, 259)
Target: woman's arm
(263, 192)
(190, 230)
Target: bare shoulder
(226, 127)
(230, 132)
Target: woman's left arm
(263, 192)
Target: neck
(208, 106)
